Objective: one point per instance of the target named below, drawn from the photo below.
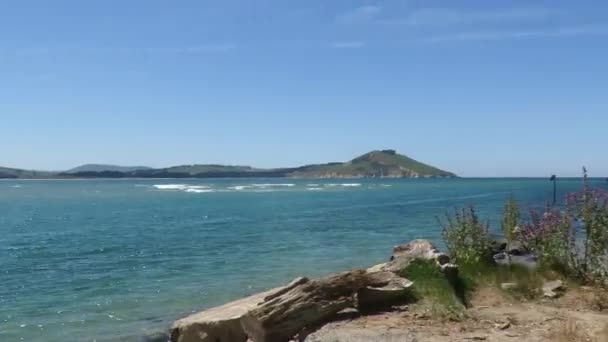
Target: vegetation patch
(432, 292)
(568, 242)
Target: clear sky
(481, 88)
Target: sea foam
(170, 186)
(266, 185)
(198, 191)
(184, 187)
(343, 184)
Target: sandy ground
(492, 317)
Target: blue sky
(481, 88)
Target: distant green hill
(385, 163)
(207, 168)
(6, 172)
(103, 167)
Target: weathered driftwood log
(283, 315)
(404, 255)
(222, 324)
(394, 291)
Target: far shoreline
(299, 178)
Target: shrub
(467, 239)
(573, 241)
(589, 209)
(550, 236)
(510, 220)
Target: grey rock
(516, 248)
(553, 289)
(499, 245)
(450, 270)
(528, 260)
(442, 259)
(508, 286)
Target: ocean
(115, 260)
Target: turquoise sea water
(114, 260)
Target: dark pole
(554, 180)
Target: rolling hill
(104, 167)
(385, 163)
(380, 163)
(6, 172)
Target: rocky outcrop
(279, 314)
(527, 260)
(513, 254)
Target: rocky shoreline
(378, 304)
(284, 313)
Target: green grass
(433, 292)
(528, 282)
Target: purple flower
(542, 226)
(586, 199)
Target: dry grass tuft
(585, 298)
(570, 331)
(603, 335)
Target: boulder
(516, 248)
(404, 254)
(527, 260)
(222, 323)
(508, 286)
(500, 245)
(553, 289)
(450, 270)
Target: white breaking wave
(333, 185)
(314, 189)
(198, 191)
(198, 187)
(239, 187)
(16, 186)
(265, 185)
(184, 187)
(170, 186)
(260, 187)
